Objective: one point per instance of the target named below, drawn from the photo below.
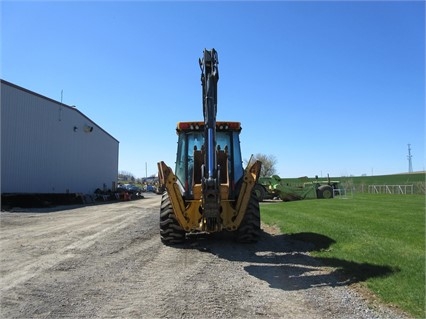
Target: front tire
(170, 230)
(260, 192)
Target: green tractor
(290, 189)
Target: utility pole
(409, 156)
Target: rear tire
(170, 230)
(249, 230)
(325, 191)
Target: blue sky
(333, 87)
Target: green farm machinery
(290, 189)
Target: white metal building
(49, 147)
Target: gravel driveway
(107, 261)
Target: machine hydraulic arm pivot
(210, 186)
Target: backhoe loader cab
(191, 142)
(210, 190)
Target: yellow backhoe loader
(210, 191)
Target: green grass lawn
(378, 240)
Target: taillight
(189, 126)
(234, 125)
(184, 126)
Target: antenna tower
(409, 156)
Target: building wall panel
(45, 148)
